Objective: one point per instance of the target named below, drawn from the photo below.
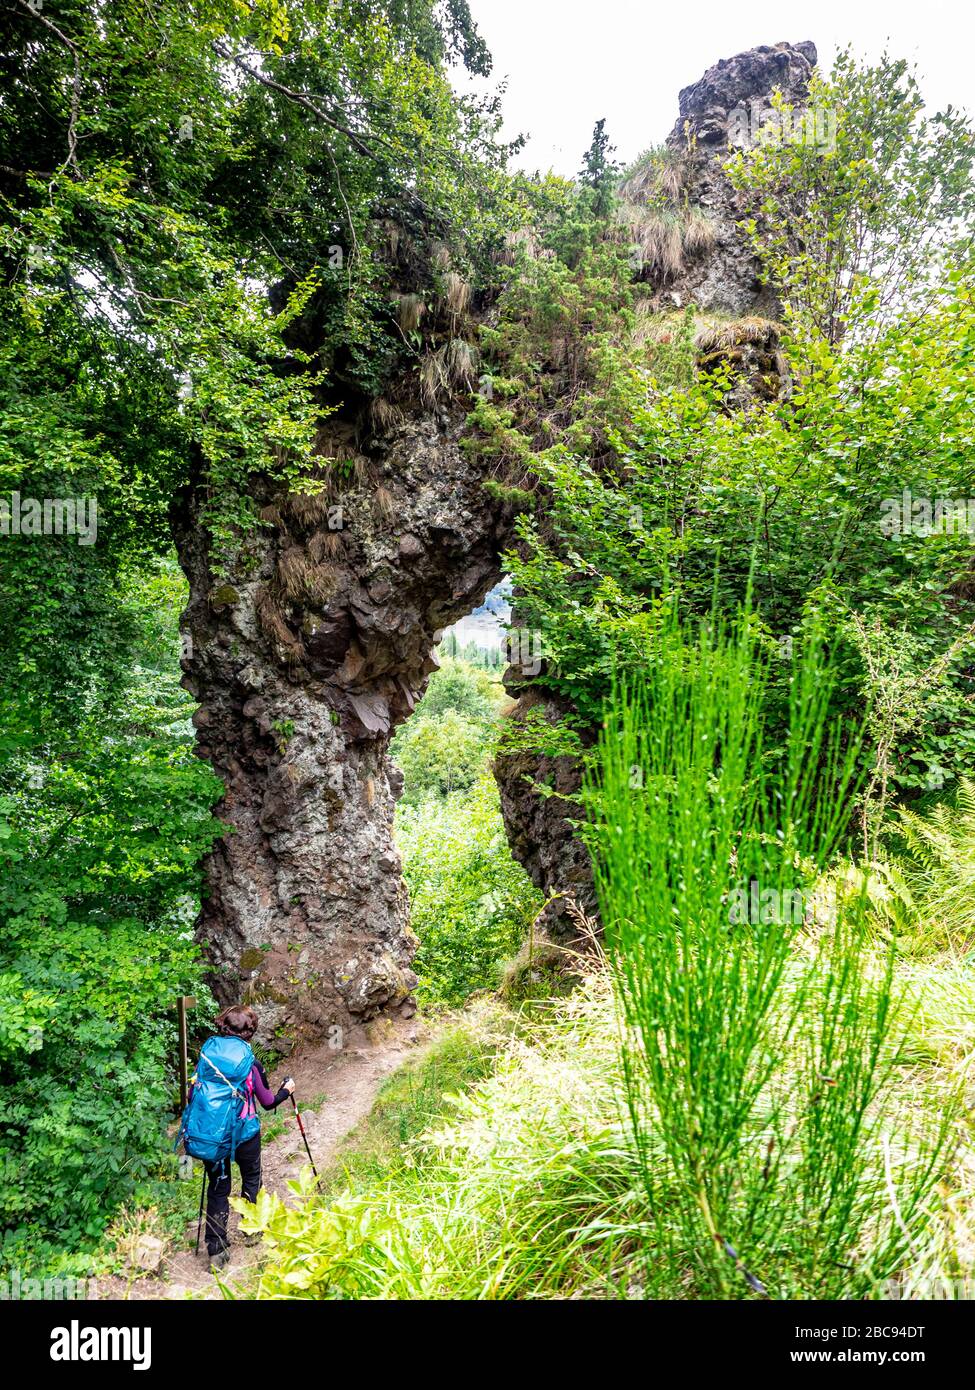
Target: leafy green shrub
(440, 755)
(471, 904)
(85, 1111)
(101, 830)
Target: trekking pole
(199, 1224)
(303, 1134)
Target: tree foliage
(198, 204)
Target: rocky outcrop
(304, 659)
(725, 281)
(319, 639)
(539, 823)
(716, 114)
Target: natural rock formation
(723, 281)
(730, 99)
(539, 825)
(320, 640)
(304, 661)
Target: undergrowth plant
(525, 1185)
(758, 1046)
(939, 866)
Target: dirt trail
(349, 1081)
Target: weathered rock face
(733, 93)
(306, 657)
(539, 827)
(304, 661)
(726, 280)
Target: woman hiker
(238, 1022)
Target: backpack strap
(222, 1077)
(184, 1118)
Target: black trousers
(219, 1180)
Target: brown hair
(240, 1020)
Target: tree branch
(72, 158)
(301, 99)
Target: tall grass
(525, 1186)
(756, 1054)
(530, 1184)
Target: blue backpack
(221, 1113)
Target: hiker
(225, 1127)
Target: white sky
(569, 62)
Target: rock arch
(320, 641)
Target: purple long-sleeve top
(259, 1087)
(263, 1091)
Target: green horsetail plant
(757, 1040)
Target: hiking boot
(220, 1259)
